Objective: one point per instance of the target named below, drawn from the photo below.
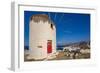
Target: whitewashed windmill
(42, 37)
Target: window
(51, 26)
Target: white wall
(5, 34)
(40, 33)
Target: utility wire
(61, 17)
(55, 16)
(49, 15)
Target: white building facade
(42, 37)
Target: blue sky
(70, 27)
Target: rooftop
(42, 17)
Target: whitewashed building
(70, 48)
(84, 51)
(42, 37)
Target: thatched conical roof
(40, 17)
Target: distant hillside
(82, 44)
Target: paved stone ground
(60, 56)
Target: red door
(49, 46)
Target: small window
(51, 26)
(39, 46)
